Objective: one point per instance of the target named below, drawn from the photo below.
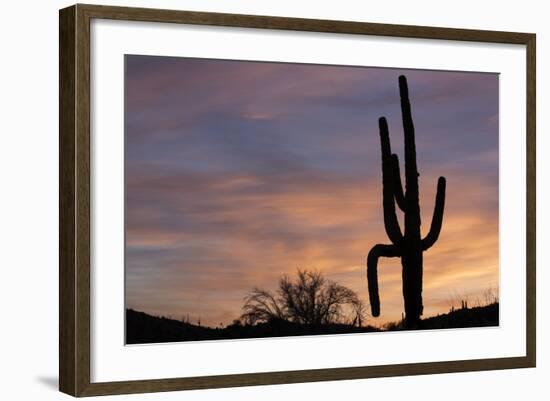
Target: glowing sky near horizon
(238, 172)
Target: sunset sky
(238, 172)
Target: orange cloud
(239, 172)
(330, 226)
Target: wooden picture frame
(74, 204)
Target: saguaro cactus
(409, 246)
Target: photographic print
(267, 199)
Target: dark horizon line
(171, 317)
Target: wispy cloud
(238, 172)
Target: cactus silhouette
(409, 246)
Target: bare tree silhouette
(409, 246)
(310, 299)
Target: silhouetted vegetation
(408, 245)
(479, 316)
(308, 305)
(142, 328)
(310, 299)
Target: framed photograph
(250, 200)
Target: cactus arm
(391, 223)
(377, 251)
(437, 219)
(397, 185)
